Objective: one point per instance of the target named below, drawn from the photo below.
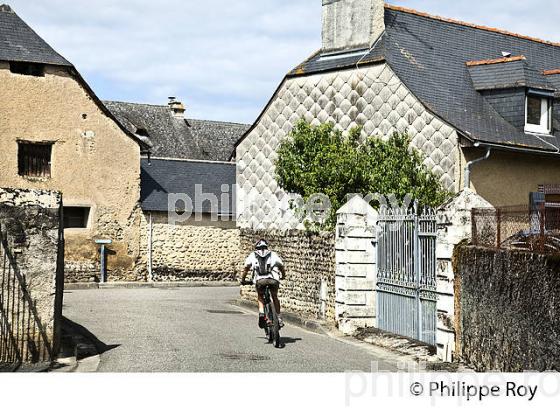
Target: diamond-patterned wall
(372, 97)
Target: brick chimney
(177, 108)
(352, 24)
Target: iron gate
(406, 278)
(22, 336)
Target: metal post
(103, 265)
(498, 228)
(542, 224)
(150, 241)
(417, 273)
(474, 234)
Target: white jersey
(275, 262)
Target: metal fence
(534, 229)
(22, 336)
(406, 278)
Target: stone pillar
(32, 265)
(356, 273)
(453, 225)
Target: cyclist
(268, 269)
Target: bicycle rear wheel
(275, 329)
(268, 329)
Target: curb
(79, 350)
(143, 285)
(291, 318)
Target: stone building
(458, 89)
(189, 160)
(55, 134)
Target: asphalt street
(199, 330)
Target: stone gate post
(453, 226)
(356, 248)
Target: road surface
(199, 330)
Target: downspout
(150, 233)
(473, 162)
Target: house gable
(372, 97)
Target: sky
(222, 58)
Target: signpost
(103, 242)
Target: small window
(537, 116)
(76, 216)
(37, 70)
(34, 159)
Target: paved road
(198, 330)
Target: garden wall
(191, 251)
(508, 309)
(309, 286)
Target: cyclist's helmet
(261, 244)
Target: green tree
(319, 159)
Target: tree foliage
(319, 159)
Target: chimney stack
(177, 108)
(352, 24)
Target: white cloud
(223, 58)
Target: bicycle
(272, 327)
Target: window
(34, 159)
(142, 132)
(538, 114)
(37, 70)
(76, 216)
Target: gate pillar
(356, 253)
(453, 226)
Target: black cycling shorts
(273, 283)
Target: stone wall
(204, 250)
(31, 264)
(309, 286)
(509, 309)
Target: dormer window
(538, 118)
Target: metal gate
(22, 336)
(406, 278)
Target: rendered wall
(507, 178)
(94, 163)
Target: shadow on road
(74, 333)
(289, 340)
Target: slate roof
(507, 73)
(429, 54)
(172, 137)
(18, 42)
(161, 177)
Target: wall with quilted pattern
(372, 97)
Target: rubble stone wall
(309, 259)
(199, 250)
(509, 316)
(31, 263)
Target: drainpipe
(473, 162)
(150, 233)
